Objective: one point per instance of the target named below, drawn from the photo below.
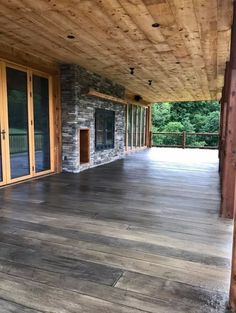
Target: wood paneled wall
(184, 57)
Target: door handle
(3, 133)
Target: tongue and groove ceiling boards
(184, 57)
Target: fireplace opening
(84, 146)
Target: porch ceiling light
(137, 98)
(131, 70)
(71, 37)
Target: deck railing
(19, 142)
(185, 140)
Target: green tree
(212, 122)
(199, 121)
(198, 116)
(160, 115)
(212, 126)
(173, 127)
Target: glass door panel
(17, 100)
(41, 123)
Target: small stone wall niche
(78, 112)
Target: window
(104, 129)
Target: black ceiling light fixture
(137, 98)
(70, 36)
(131, 70)
(156, 25)
(150, 82)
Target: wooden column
(222, 127)
(229, 161)
(223, 119)
(229, 145)
(231, 138)
(184, 139)
(233, 195)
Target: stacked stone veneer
(78, 111)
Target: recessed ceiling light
(156, 25)
(131, 70)
(71, 37)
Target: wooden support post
(230, 133)
(221, 131)
(229, 146)
(228, 178)
(223, 115)
(184, 140)
(150, 139)
(224, 125)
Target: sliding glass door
(25, 124)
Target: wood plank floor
(138, 235)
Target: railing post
(184, 140)
(150, 139)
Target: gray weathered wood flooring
(138, 235)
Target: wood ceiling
(185, 57)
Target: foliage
(193, 117)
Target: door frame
(5, 125)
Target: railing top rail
(185, 139)
(168, 133)
(203, 134)
(187, 133)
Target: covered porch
(141, 234)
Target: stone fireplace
(78, 113)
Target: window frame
(105, 116)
